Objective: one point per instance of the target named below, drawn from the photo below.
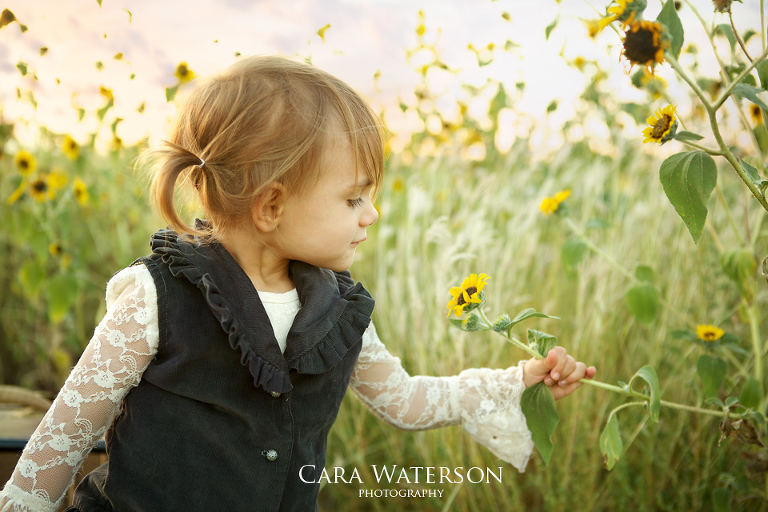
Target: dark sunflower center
(39, 186)
(639, 46)
(460, 301)
(24, 164)
(709, 336)
(661, 127)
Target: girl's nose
(370, 215)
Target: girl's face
(324, 226)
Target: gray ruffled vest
(221, 419)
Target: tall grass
(443, 218)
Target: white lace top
(485, 402)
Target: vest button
(271, 455)
(275, 394)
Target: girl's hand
(559, 371)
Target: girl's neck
(268, 272)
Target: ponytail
(170, 161)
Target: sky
(365, 37)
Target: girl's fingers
(559, 357)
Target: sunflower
(70, 148)
(756, 114)
(183, 73)
(550, 205)
(40, 190)
(467, 294)
(25, 162)
(645, 43)
(662, 126)
(55, 249)
(80, 190)
(625, 11)
(709, 332)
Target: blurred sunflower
(625, 11)
(25, 162)
(55, 249)
(80, 190)
(70, 148)
(40, 189)
(709, 332)
(550, 205)
(722, 5)
(183, 73)
(645, 43)
(468, 293)
(662, 126)
(756, 114)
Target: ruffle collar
(333, 316)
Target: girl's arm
(122, 347)
(485, 402)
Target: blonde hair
(265, 119)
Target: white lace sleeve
(485, 402)
(122, 347)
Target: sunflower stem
(727, 92)
(713, 152)
(625, 390)
(737, 36)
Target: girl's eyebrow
(359, 185)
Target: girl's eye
(355, 203)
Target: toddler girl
(224, 355)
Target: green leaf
(610, 442)
(668, 16)
(644, 273)
(683, 334)
(711, 371)
(648, 374)
(726, 30)
(596, 224)
(551, 27)
(749, 92)
(748, 35)
(170, 93)
(103, 110)
(688, 179)
(538, 406)
(715, 401)
(740, 266)
(753, 175)
(541, 341)
(61, 292)
(529, 313)
(762, 73)
(31, 276)
(572, 253)
(751, 395)
(643, 302)
(722, 500)
(731, 401)
(687, 136)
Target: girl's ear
(268, 207)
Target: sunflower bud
(501, 323)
